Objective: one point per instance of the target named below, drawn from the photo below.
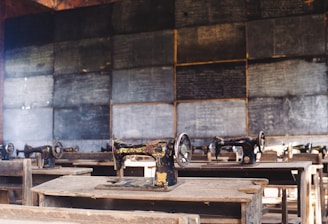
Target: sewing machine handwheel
(10, 148)
(58, 150)
(183, 149)
(261, 141)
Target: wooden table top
(61, 171)
(187, 189)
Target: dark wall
(145, 69)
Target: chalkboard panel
(207, 12)
(212, 118)
(299, 115)
(210, 81)
(287, 36)
(143, 85)
(86, 55)
(27, 125)
(143, 49)
(211, 43)
(287, 77)
(132, 16)
(74, 90)
(257, 9)
(29, 61)
(32, 92)
(143, 121)
(84, 122)
(34, 29)
(84, 22)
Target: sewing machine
(6, 151)
(249, 146)
(45, 155)
(309, 148)
(164, 153)
(67, 149)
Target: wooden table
(278, 173)
(225, 200)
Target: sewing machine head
(6, 151)
(164, 153)
(45, 155)
(249, 146)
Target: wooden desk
(278, 173)
(221, 199)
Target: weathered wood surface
(243, 203)
(14, 214)
(61, 171)
(21, 168)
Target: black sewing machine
(164, 153)
(309, 148)
(248, 144)
(45, 155)
(6, 151)
(67, 149)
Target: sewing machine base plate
(139, 184)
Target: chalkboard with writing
(287, 77)
(211, 43)
(132, 16)
(295, 36)
(291, 115)
(83, 22)
(27, 93)
(206, 12)
(257, 9)
(143, 49)
(82, 89)
(83, 56)
(34, 29)
(83, 122)
(142, 121)
(143, 85)
(28, 124)
(212, 118)
(29, 61)
(210, 81)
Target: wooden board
(302, 35)
(87, 55)
(289, 115)
(80, 89)
(143, 49)
(33, 29)
(206, 12)
(29, 61)
(28, 93)
(212, 118)
(257, 9)
(28, 125)
(143, 85)
(211, 43)
(224, 80)
(83, 22)
(143, 121)
(88, 122)
(142, 16)
(287, 77)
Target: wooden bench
(16, 176)
(38, 215)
